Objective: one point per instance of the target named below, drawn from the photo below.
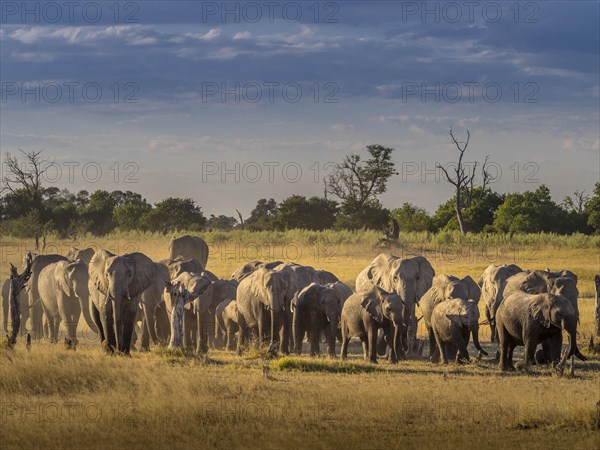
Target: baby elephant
(452, 322)
(226, 322)
(364, 313)
(317, 309)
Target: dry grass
(54, 398)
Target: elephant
(219, 291)
(364, 313)
(24, 308)
(317, 309)
(64, 293)
(263, 301)
(177, 266)
(35, 308)
(116, 284)
(155, 321)
(527, 319)
(451, 322)
(344, 290)
(187, 247)
(194, 315)
(409, 278)
(490, 282)
(226, 322)
(176, 297)
(445, 288)
(84, 255)
(251, 267)
(539, 282)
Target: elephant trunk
(475, 332)
(572, 346)
(84, 302)
(275, 326)
(395, 348)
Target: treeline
(68, 214)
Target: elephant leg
(284, 345)
(163, 327)
(441, 348)
(315, 337)
(503, 340)
(106, 316)
(528, 353)
(389, 338)
(145, 345)
(372, 344)
(554, 347)
(242, 335)
(53, 337)
(459, 342)
(98, 322)
(330, 341)
(382, 344)
(230, 338)
(188, 323)
(365, 347)
(298, 331)
(201, 338)
(345, 341)
(148, 327)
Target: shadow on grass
(303, 365)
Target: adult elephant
(187, 247)
(539, 282)
(364, 313)
(317, 309)
(490, 282)
(262, 298)
(452, 322)
(35, 307)
(155, 321)
(219, 291)
(409, 278)
(64, 294)
(445, 288)
(116, 284)
(24, 308)
(84, 255)
(226, 323)
(527, 319)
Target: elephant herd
(178, 302)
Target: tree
(462, 179)
(358, 182)
(174, 214)
(592, 208)
(412, 218)
(99, 213)
(127, 216)
(261, 217)
(370, 215)
(479, 215)
(312, 214)
(530, 212)
(221, 222)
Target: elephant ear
(540, 310)
(144, 272)
(307, 295)
(96, 268)
(472, 288)
(61, 272)
(372, 304)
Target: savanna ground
(54, 398)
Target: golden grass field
(54, 398)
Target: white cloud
(339, 127)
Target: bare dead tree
(17, 283)
(241, 219)
(461, 178)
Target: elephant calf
(452, 321)
(364, 313)
(226, 323)
(317, 309)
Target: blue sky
(369, 72)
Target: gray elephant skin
(187, 247)
(317, 309)
(527, 319)
(365, 313)
(539, 282)
(263, 301)
(445, 288)
(84, 255)
(64, 294)
(226, 323)
(452, 321)
(409, 278)
(490, 282)
(116, 284)
(35, 308)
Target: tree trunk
(459, 216)
(15, 311)
(597, 314)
